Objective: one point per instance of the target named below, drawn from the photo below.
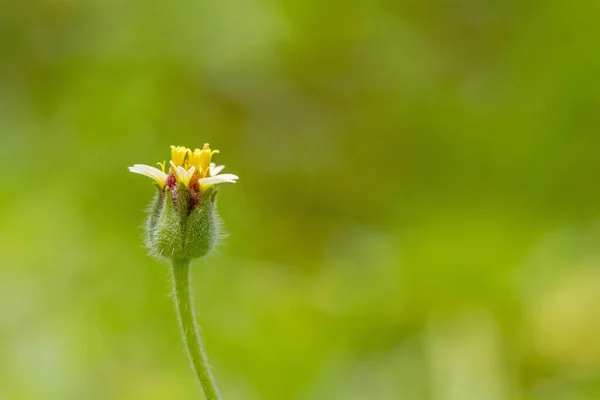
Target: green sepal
(154, 210)
(183, 201)
(168, 240)
(202, 227)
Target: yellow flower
(186, 166)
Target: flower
(183, 221)
(185, 166)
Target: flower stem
(189, 329)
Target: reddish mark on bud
(195, 195)
(171, 182)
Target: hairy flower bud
(183, 222)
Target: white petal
(174, 166)
(214, 170)
(183, 175)
(150, 172)
(214, 180)
(180, 173)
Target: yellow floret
(179, 154)
(201, 160)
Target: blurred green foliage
(417, 215)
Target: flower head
(187, 167)
(183, 223)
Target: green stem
(189, 329)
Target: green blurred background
(417, 215)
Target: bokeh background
(418, 214)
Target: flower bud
(183, 222)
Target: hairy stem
(189, 329)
